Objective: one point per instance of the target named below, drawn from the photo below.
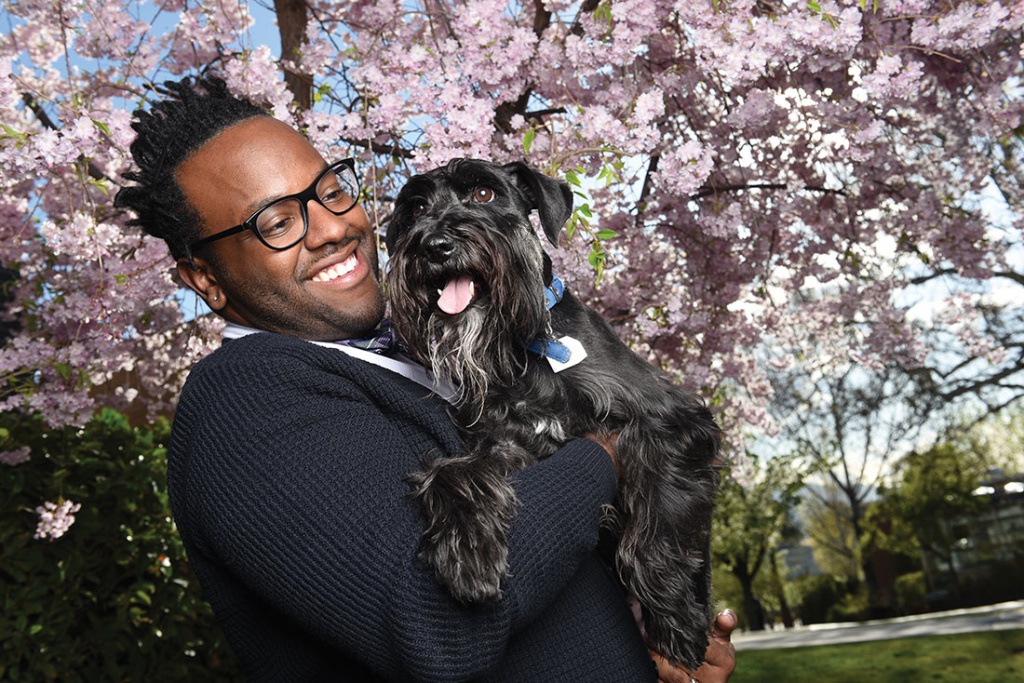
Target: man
(290, 447)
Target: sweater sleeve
(554, 528)
(292, 480)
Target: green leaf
(596, 260)
(528, 140)
(606, 234)
(101, 184)
(63, 369)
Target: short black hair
(193, 111)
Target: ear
(550, 197)
(200, 278)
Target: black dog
(473, 297)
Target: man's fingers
(724, 624)
(668, 673)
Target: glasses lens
(337, 190)
(280, 223)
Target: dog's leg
(469, 506)
(665, 504)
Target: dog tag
(576, 354)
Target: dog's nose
(438, 248)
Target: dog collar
(554, 292)
(564, 352)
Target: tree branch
(94, 172)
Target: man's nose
(324, 226)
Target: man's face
(323, 288)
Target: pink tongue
(456, 295)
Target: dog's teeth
(472, 289)
(440, 292)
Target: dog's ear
(550, 197)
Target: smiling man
(326, 290)
(290, 448)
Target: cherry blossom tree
(762, 182)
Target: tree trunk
(787, 615)
(292, 16)
(751, 605)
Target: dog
(473, 297)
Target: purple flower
(55, 520)
(16, 457)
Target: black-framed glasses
(283, 223)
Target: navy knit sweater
(286, 475)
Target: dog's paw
(468, 507)
(681, 642)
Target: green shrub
(112, 599)
(817, 597)
(910, 591)
(853, 606)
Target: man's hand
(608, 441)
(719, 660)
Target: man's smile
(337, 270)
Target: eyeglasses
(283, 223)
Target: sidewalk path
(1001, 617)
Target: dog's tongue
(456, 295)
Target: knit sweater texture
(287, 482)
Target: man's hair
(192, 112)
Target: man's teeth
(337, 270)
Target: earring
(216, 298)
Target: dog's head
(514, 189)
(465, 263)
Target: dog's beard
(485, 343)
(463, 352)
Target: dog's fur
(472, 218)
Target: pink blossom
(55, 520)
(16, 457)
(684, 168)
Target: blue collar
(549, 348)
(554, 292)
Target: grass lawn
(987, 657)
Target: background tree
(930, 490)
(828, 521)
(998, 438)
(849, 423)
(752, 519)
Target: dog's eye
(483, 194)
(418, 208)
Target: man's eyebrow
(261, 204)
(267, 201)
